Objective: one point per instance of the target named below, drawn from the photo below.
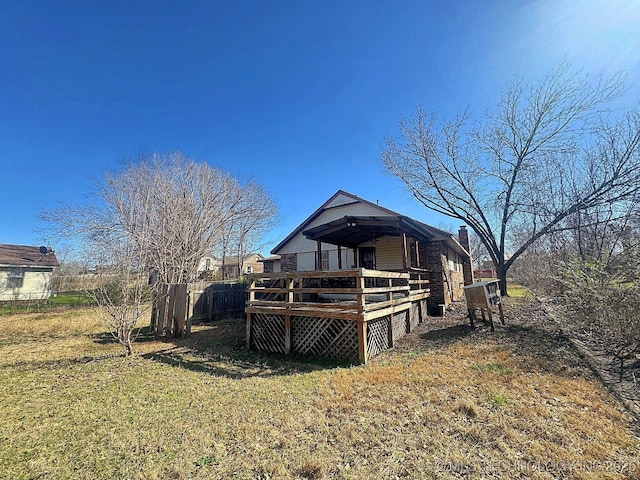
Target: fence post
(362, 341)
(190, 304)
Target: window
(249, 269)
(15, 278)
(325, 260)
(454, 261)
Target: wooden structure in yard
(219, 299)
(169, 314)
(483, 296)
(177, 306)
(351, 314)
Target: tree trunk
(128, 348)
(502, 281)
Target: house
(208, 267)
(235, 266)
(271, 264)
(352, 279)
(349, 232)
(25, 272)
(230, 267)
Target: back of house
(350, 232)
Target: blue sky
(298, 95)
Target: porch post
(404, 252)
(339, 257)
(287, 333)
(319, 256)
(362, 341)
(362, 324)
(287, 317)
(248, 331)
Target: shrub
(603, 300)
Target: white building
(25, 272)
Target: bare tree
(242, 233)
(245, 230)
(187, 205)
(160, 214)
(547, 153)
(122, 294)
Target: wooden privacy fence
(344, 314)
(169, 314)
(177, 306)
(213, 300)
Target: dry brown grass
(448, 402)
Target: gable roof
(388, 220)
(332, 202)
(26, 256)
(244, 258)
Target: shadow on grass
(529, 333)
(140, 335)
(237, 366)
(549, 347)
(33, 365)
(218, 348)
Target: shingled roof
(26, 256)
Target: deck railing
(354, 294)
(316, 298)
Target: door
(367, 257)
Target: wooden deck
(347, 314)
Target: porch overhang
(351, 231)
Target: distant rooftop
(27, 256)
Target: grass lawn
(60, 300)
(448, 402)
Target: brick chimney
(467, 268)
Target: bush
(603, 300)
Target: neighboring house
(208, 267)
(211, 268)
(486, 270)
(235, 267)
(350, 232)
(25, 272)
(271, 264)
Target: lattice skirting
(325, 337)
(267, 332)
(417, 313)
(330, 337)
(400, 324)
(377, 336)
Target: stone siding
(289, 262)
(434, 251)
